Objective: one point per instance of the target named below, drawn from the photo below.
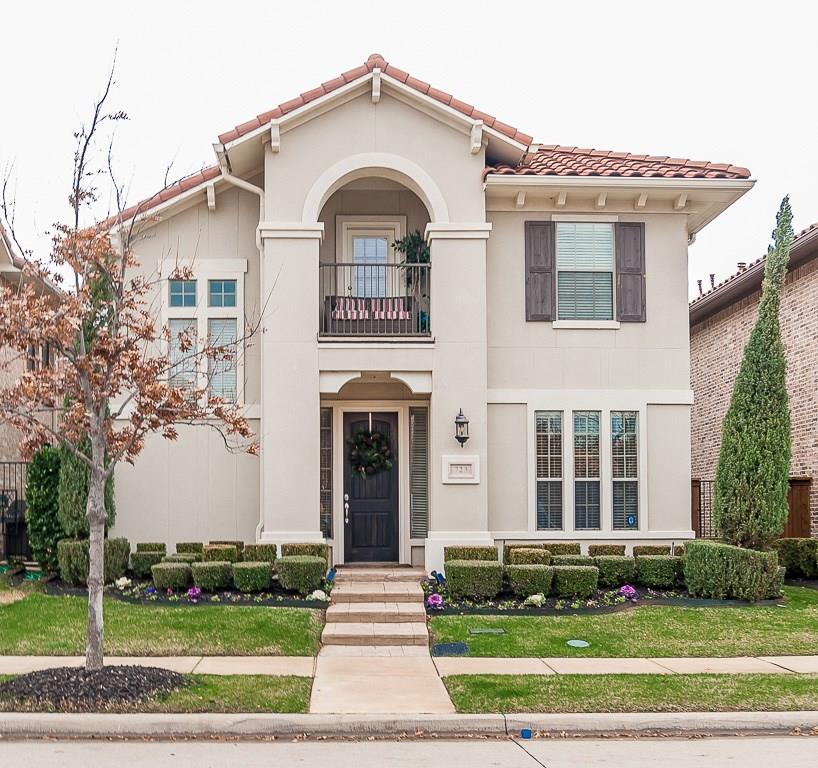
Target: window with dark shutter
(630, 272)
(539, 271)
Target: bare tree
(113, 384)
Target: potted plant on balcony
(415, 250)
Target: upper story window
(222, 367)
(370, 254)
(585, 270)
(182, 293)
(549, 470)
(587, 478)
(625, 469)
(182, 353)
(222, 293)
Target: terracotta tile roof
(374, 61)
(555, 160)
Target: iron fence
(13, 537)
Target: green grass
(47, 625)
(648, 631)
(225, 693)
(633, 693)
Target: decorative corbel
(519, 201)
(476, 141)
(641, 201)
(562, 197)
(211, 197)
(681, 202)
(376, 85)
(275, 137)
(601, 199)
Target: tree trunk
(95, 511)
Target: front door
(371, 500)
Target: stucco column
(459, 512)
(289, 384)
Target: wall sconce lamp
(461, 428)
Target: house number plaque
(462, 470)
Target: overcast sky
(720, 81)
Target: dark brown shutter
(540, 272)
(630, 272)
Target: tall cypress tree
(752, 476)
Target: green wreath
(370, 453)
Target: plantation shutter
(630, 272)
(539, 271)
(418, 472)
(222, 368)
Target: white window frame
(599, 478)
(577, 323)
(560, 479)
(346, 227)
(627, 479)
(204, 270)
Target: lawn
(227, 693)
(46, 625)
(633, 693)
(648, 631)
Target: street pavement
(747, 752)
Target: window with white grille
(182, 353)
(221, 368)
(625, 469)
(585, 269)
(548, 425)
(587, 512)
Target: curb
(160, 726)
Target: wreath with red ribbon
(370, 453)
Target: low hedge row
(249, 576)
(143, 561)
(212, 575)
(73, 560)
(615, 570)
(529, 556)
(171, 575)
(474, 578)
(260, 553)
(529, 579)
(183, 557)
(572, 560)
(659, 571)
(151, 546)
(799, 557)
(509, 548)
(301, 573)
(599, 550)
(572, 581)
(479, 553)
(195, 547)
(722, 571)
(308, 549)
(219, 553)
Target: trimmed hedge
(307, 549)
(575, 580)
(777, 585)
(73, 560)
(598, 550)
(572, 560)
(484, 553)
(529, 579)
(722, 571)
(527, 556)
(260, 553)
(659, 571)
(799, 557)
(249, 576)
(301, 573)
(151, 546)
(507, 549)
(212, 575)
(183, 547)
(563, 547)
(474, 578)
(183, 557)
(171, 575)
(237, 543)
(615, 570)
(41, 511)
(218, 553)
(651, 549)
(142, 562)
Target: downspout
(224, 164)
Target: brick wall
(716, 347)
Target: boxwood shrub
(799, 557)
(563, 547)
(615, 570)
(183, 547)
(238, 544)
(722, 571)
(572, 560)
(142, 562)
(212, 575)
(171, 575)
(575, 580)
(151, 546)
(507, 549)
(527, 580)
(529, 556)
(301, 573)
(260, 553)
(220, 553)
(73, 560)
(484, 553)
(183, 557)
(659, 571)
(651, 549)
(595, 550)
(474, 578)
(310, 549)
(250, 576)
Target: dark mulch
(73, 689)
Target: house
(720, 323)
(529, 382)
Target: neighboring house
(720, 323)
(552, 315)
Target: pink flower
(628, 592)
(434, 601)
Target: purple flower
(169, 591)
(193, 594)
(150, 590)
(628, 592)
(434, 600)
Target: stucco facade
(375, 153)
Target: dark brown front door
(371, 519)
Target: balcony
(374, 300)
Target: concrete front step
(373, 633)
(347, 574)
(376, 612)
(377, 591)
